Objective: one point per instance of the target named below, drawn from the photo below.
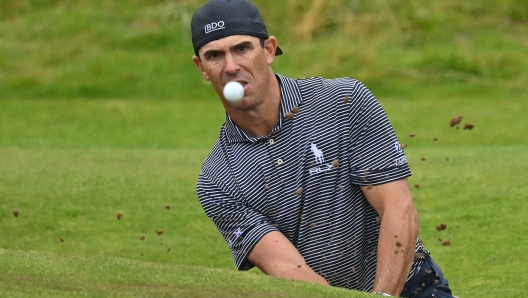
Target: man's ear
(199, 65)
(270, 45)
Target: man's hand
(275, 255)
(398, 232)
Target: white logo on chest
(319, 159)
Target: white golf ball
(233, 91)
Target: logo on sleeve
(214, 26)
(402, 159)
(398, 147)
(237, 234)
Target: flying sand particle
(142, 238)
(61, 240)
(159, 232)
(412, 135)
(345, 100)
(446, 243)
(441, 227)
(299, 191)
(417, 185)
(335, 163)
(289, 116)
(455, 121)
(296, 110)
(167, 207)
(15, 213)
(119, 216)
(468, 126)
(423, 158)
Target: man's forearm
(396, 248)
(296, 272)
(275, 255)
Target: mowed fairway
(70, 167)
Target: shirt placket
(272, 168)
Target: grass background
(102, 112)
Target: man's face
(238, 58)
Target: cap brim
(278, 52)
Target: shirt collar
(290, 98)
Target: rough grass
(135, 49)
(38, 274)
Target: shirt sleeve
(241, 226)
(375, 150)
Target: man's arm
(398, 232)
(275, 255)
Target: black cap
(221, 18)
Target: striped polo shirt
(304, 179)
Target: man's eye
(242, 48)
(212, 56)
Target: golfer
(307, 180)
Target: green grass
(137, 49)
(109, 123)
(478, 194)
(37, 274)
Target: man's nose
(232, 66)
